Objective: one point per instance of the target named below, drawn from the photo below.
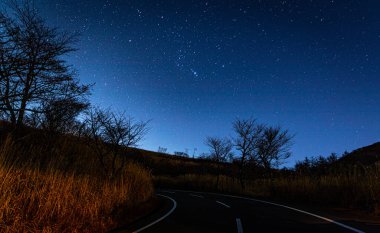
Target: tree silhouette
(110, 136)
(273, 147)
(220, 150)
(32, 70)
(248, 133)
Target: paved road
(211, 213)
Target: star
(195, 73)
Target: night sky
(194, 66)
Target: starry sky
(194, 66)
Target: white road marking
(239, 226)
(304, 212)
(223, 204)
(162, 218)
(194, 195)
(287, 207)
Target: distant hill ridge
(367, 155)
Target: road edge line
(287, 207)
(162, 218)
(301, 211)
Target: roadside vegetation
(356, 189)
(63, 164)
(58, 186)
(351, 180)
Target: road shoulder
(143, 215)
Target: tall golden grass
(46, 197)
(356, 190)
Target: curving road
(192, 212)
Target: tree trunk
(241, 177)
(24, 100)
(8, 104)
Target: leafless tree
(162, 150)
(57, 115)
(32, 68)
(220, 150)
(248, 133)
(110, 135)
(273, 148)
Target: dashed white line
(239, 226)
(223, 204)
(162, 218)
(194, 195)
(287, 207)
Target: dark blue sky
(194, 66)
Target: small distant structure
(183, 154)
(195, 150)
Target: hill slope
(367, 155)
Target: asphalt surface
(191, 212)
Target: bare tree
(32, 69)
(57, 115)
(248, 133)
(162, 150)
(273, 148)
(8, 65)
(220, 150)
(112, 134)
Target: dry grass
(356, 186)
(45, 198)
(354, 190)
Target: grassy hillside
(341, 185)
(52, 183)
(366, 156)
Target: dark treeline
(318, 165)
